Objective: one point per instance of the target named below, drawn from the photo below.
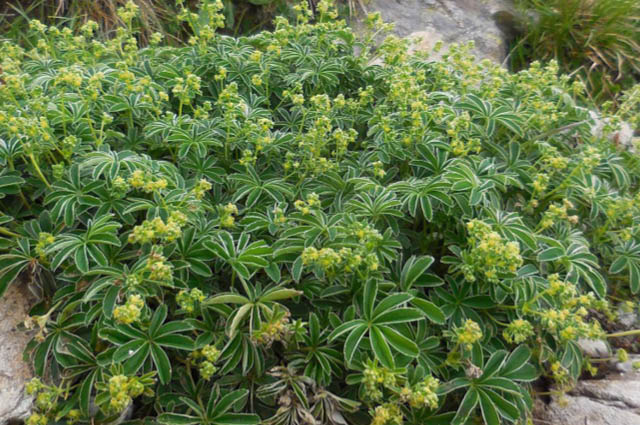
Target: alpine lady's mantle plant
(271, 229)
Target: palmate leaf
(134, 345)
(243, 257)
(628, 259)
(378, 324)
(495, 391)
(253, 188)
(70, 197)
(86, 248)
(15, 262)
(491, 116)
(217, 412)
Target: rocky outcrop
(14, 373)
(614, 400)
(489, 23)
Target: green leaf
(551, 254)
(178, 419)
(400, 342)
(370, 293)
(399, 315)
(238, 419)
(280, 294)
(432, 311)
(467, 406)
(163, 365)
(489, 411)
(413, 269)
(240, 314)
(85, 393)
(227, 299)
(158, 319)
(179, 342)
(381, 348)
(353, 341)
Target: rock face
(594, 348)
(14, 373)
(611, 401)
(487, 22)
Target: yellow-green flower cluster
(564, 311)
(187, 300)
(559, 373)
(368, 236)
(622, 355)
(332, 261)
(591, 158)
(37, 419)
(468, 334)
(210, 354)
(128, 12)
(423, 394)
(159, 270)
(46, 401)
(305, 207)
(387, 414)
(122, 391)
(228, 215)
(151, 231)
(186, 89)
(275, 328)
(279, 218)
(44, 240)
(342, 141)
(557, 213)
(518, 331)
(489, 253)
(378, 169)
(375, 378)
(129, 312)
(141, 180)
(201, 188)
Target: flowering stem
(624, 333)
(8, 232)
(38, 170)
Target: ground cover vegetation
(297, 227)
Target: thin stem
(39, 171)
(8, 232)
(624, 333)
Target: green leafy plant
(297, 227)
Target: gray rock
(14, 373)
(487, 22)
(628, 319)
(627, 367)
(611, 401)
(623, 136)
(620, 392)
(594, 348)
(580, 410)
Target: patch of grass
(596, 40)
(241, 16)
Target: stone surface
(623, 137)
(611, 401)
(628, 366)
(14, 373)
(585, 411)
(627, 319)
(594, 348)
(487, 22)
